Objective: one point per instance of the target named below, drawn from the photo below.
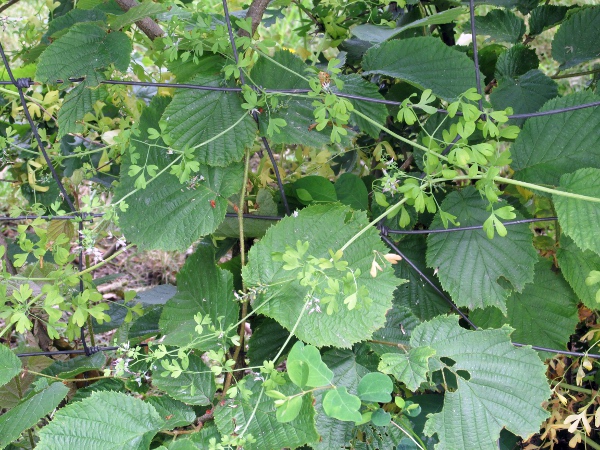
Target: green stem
(292, 331)
(225, 131)
(570, 387)
(545, 189)
(264, 55)
(409, 436)
(588, 441)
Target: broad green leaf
(341, 405)
(283, 297)
(500, 25)
(266, 341)
(357, 85)
(307, 360)
(68, 20)
(289, 410)
(136, 13)
(11, 393)
(469, 264)
(72, 367)
(424, 302)
(10, 365)
(395, 334)
(498, 385)
(381, 418)
(84, 51)
(575, 265)
(351, 191)
(315, 189)
(106, 420)
(213, 123)
(181, 213)
(208, 295)
(580, 219)
(378, 33)
(544, 314)
(549, 146)
(375, 387)
(544, 17)
(76, 104)
(409, 368)
(175, 413)
(578, 38)
(264, 426)
(27, 413)
(253, 228)
(424, 62)
(516, 61)
(525, 94)
(105, 384)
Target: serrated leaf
(68, 20)
(10, 365)
(351, 191)
(84, 51)
(501, 25)
(213, 123)
(503, 386)
(266, 341)
(264, 426)
(27, 413)
(470, 264)
(76, 104)
(341, 405)
(544, 314)
(12, 393)
(284, 296)
(106, 420)
(181, 213)
(424, 62)
(578, 38)
(580, 219)
(136, 13)
(72, 367)
(395, 334)
(409, 368)
(575, 265)
(516, 61)
(305, 367)
(375, 387)
(105, 384)
(174, 413)
(544, 17)
(549, 146)
(209, 295)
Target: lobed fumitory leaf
(282, 296)
(499, 385)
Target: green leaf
(283, 297)
(85, 51)
(305, 367)
(12, 393)
(544, 314)
(175, 413)
(136, 13)
(105, 384)
(503, 386)
(409, 368)
(580, 219)
(341, 405)
(470, 264)
(181, 213)
(375, 387)
(575, 265)
(577, 40)
(424, 62)
(266, 341)
(395, 334)
(289, 410)
(27, 413)
(351, 191)
(315, 189)
(10, 365)
(501, 25)
(209, 295)
(552, 145)
(264, 426)
(76, 104)
(525, 94)
(544, 17)
(73, 367)
(106, 420)
(68, 20)
(254, 228)
(516, 61)
(381, 418)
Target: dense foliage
(417, 226)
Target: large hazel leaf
(167, 214)
(77, 103)
(580, 219)
(213, 123)
(501, 25)
(282, 297)
(544, 17)
(409, 368)
(470, 264)
(544, 314)
(10, 365)
(549, 146)
(499, 385)
(27, 413)
(424, 62)
(84, 51)
(202, 288)
(104, 421)
(576, 265)
(395, 334)
(578, 38)
(260, 410)
(516, 61)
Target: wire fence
(22, 84)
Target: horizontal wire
(85, 216)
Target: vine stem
(407, 434)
